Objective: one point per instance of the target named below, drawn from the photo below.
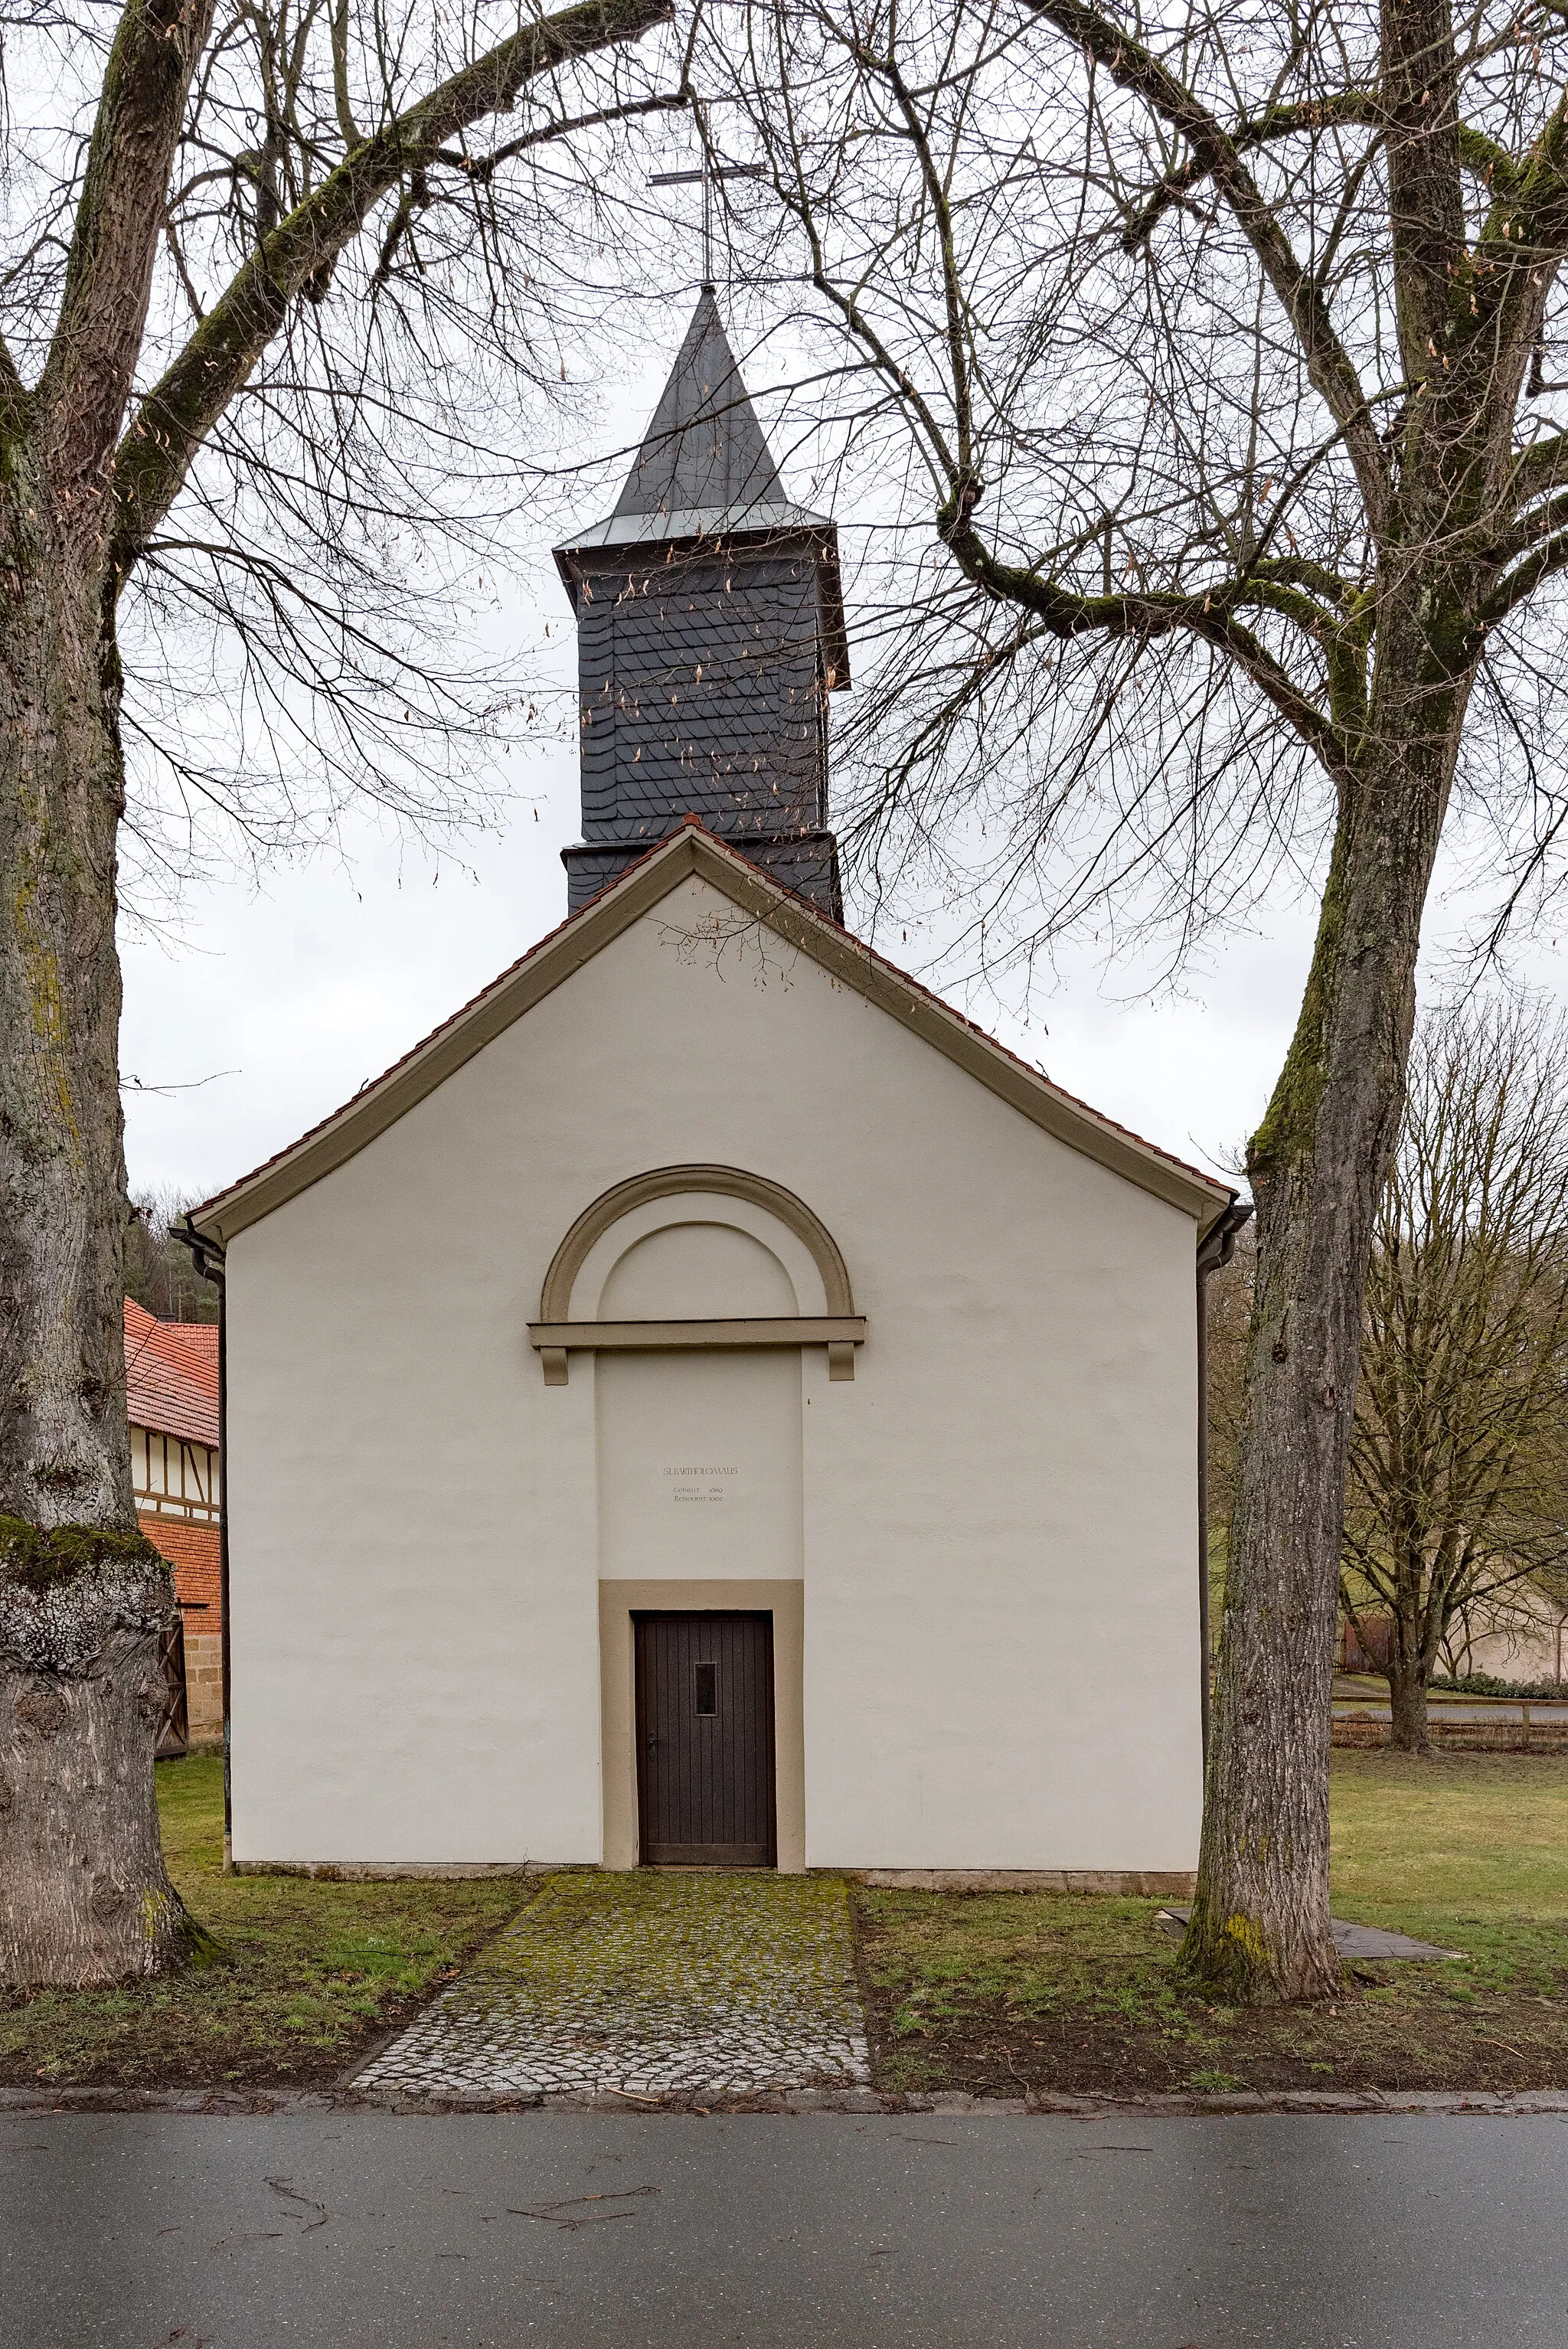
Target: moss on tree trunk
(84, 1896)
(1260, 1928)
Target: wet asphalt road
(582, 2230)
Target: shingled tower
(710, 631)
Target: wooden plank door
(705, 1740)
(174, 1730)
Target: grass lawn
(317, 1969)
(991, 1992)
(997, 1992)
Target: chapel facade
(705, 1404)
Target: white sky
(301, 989)
(325, 976)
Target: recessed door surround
(621, 1605)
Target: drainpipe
(1216, 1248)
(208, 1255)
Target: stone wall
(1529, 1734)
(204, 1686)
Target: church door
(705, 1740)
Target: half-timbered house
(171, 1402)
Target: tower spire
(703, 451)
(710, 631)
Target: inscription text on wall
(699, 1483)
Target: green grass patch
(1483, 1836)
(316, 1971)
(998, 1992)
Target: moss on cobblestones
(649, 1982)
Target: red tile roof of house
(195, 1552)
(172, 1375)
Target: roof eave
(789, 523)
(693, 850)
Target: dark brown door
(705, 1740)
(174, 1731)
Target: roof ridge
(858, 945)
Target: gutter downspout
(1216, 1250)
(208, 1255)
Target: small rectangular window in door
(707, 1688)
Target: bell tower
(710, 632)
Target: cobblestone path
(649, 1982)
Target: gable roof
(172, 1375)
(693, 850)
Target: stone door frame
(618, 1601)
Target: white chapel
(708, 1404)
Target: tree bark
(87, 1898)
(84, 1895)
(1409, 1730)
(1412, 1652)
(1260, 1927)
(65, 1452)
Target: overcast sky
(271, 1003)
(300, 992)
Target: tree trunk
(84, 1897)
(1412, 1650)
(1260, 1927)
(65, 1453)
(1409, 1731)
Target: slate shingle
(703, 661)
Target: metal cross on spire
(710, 172)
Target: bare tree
(1219, 345)
(159, 1272)
(1458, 1450)
(271, 273)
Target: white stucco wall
(998, 1516)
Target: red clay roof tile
(172, 1375)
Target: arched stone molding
(672, 1181)
(556, 1334)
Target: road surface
(584, 2230)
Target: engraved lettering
(697, 1484)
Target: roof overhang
(694, 851)
(699, 530)
(761, 518)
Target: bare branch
(182, 409)
(1353, 108)
(1520, 584)
(119, 219)
(1134, 68)
(1209, 616)
(13, 400)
